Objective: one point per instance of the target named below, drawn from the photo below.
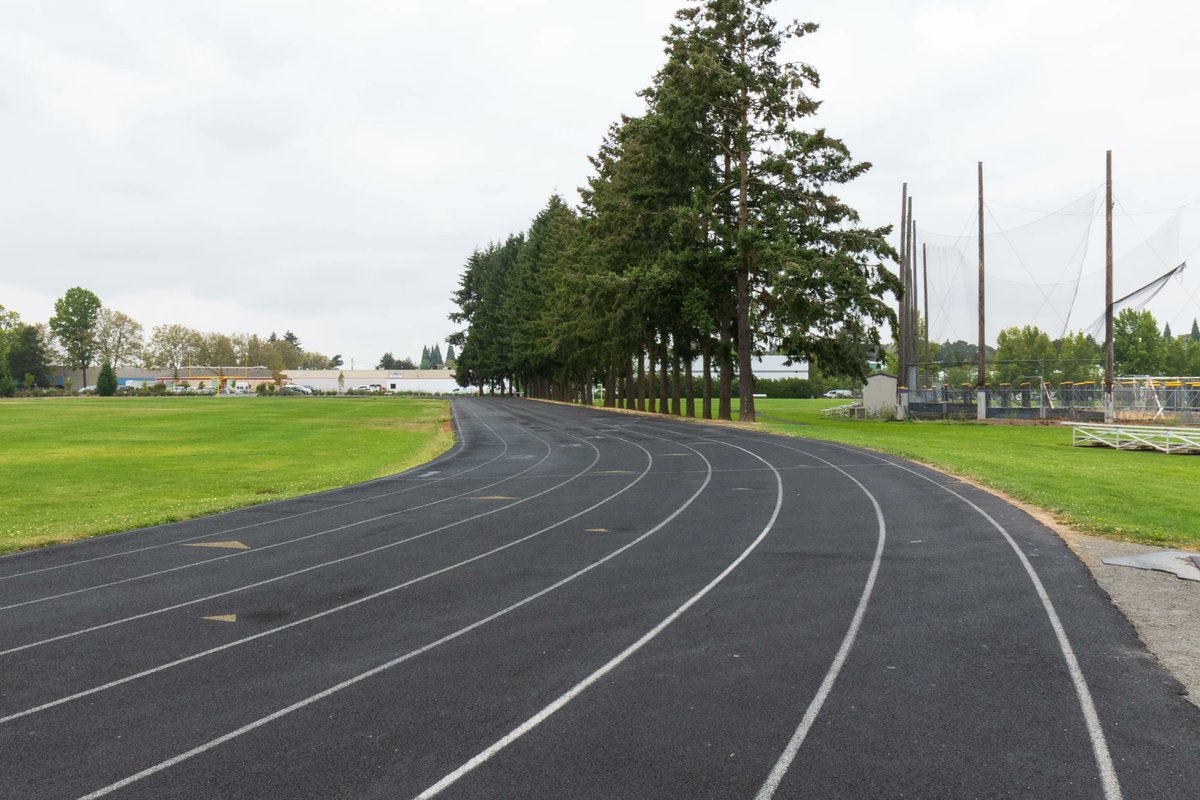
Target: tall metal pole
(981, 393)
(1109, 410)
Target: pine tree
(435, 358)
(1167, 331)
(425, 357)
(1195, 330)
(106, 383)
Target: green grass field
(1141, 496)
(76, 467)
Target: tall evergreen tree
(106, 383)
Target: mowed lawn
(76, 467)
(1143, 496)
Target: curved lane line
(273, 545)
(1104, 763)
(322, 565)
(227, 531)
(616, 661)
(283, 712)
(195, 656)
(442, 457)
(771, 784)
(1109, 780)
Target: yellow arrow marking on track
(225, 545)
(223, 618)
(597, 530)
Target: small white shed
(879, 395)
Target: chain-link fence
(1140, 398)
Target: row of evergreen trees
(708, 231)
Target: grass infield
(1142, 496)
(77, 467)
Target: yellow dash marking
(615, 472)
(740, 489)
(494, 497)
(676, 454)
(597, 530)
(223, 618)
(225, 545)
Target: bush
(8, 387)
(106, 383)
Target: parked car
(838, 393)
(374, 387)
(296, 388)
(88, 390)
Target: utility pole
(980, 389)
(1109, 408)
(925, 289)
(902, 322)
(913, 324)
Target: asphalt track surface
(577, 603)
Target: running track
(577, 603)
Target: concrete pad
(1177, 562)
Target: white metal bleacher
(1136, 437)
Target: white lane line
(771, 784)
(283, 712)
(1100, 751)
(579, 688)
(445, 456)
(262, 634)
(322, 565)
(1104, 764)
(285, 542)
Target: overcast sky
(328, 167)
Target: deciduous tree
(74, 325)
(118, 338)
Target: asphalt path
(580, 603)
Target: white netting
(1049, 273)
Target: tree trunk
(676, 386)
(641, 381)
(651, 382)
(725, 387)
(664, 376)
(745, 347)
(689, 388)
(706, 355)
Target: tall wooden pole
(983, 374)
(925, 289)
(913, 324)
(902, 323)
(1109, 410)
